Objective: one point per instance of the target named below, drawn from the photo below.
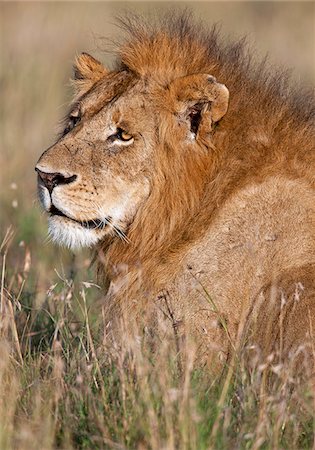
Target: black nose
(52, 180)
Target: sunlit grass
(63, 383)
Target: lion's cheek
(123, 206)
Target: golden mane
(268, 127)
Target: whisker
(100, 224)
(120, 233)
(48, 240)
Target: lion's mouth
(89, 224)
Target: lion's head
(117, 149)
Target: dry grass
(63, 383)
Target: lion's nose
(52, 180)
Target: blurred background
(37, 47)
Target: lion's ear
(87, 71)
(199, 96)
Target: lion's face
(95, 179)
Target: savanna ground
(61, 384)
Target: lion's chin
(71, 234)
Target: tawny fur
(226, 228)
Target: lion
(189, 169)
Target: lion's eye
(122, 135)
(74, 119)
(121, 138)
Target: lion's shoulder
(261, 231)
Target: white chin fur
(70, 234)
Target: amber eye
(123, 135)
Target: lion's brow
(107, 92)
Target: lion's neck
(174, 216)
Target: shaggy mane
(268, 129)
(176, 45)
